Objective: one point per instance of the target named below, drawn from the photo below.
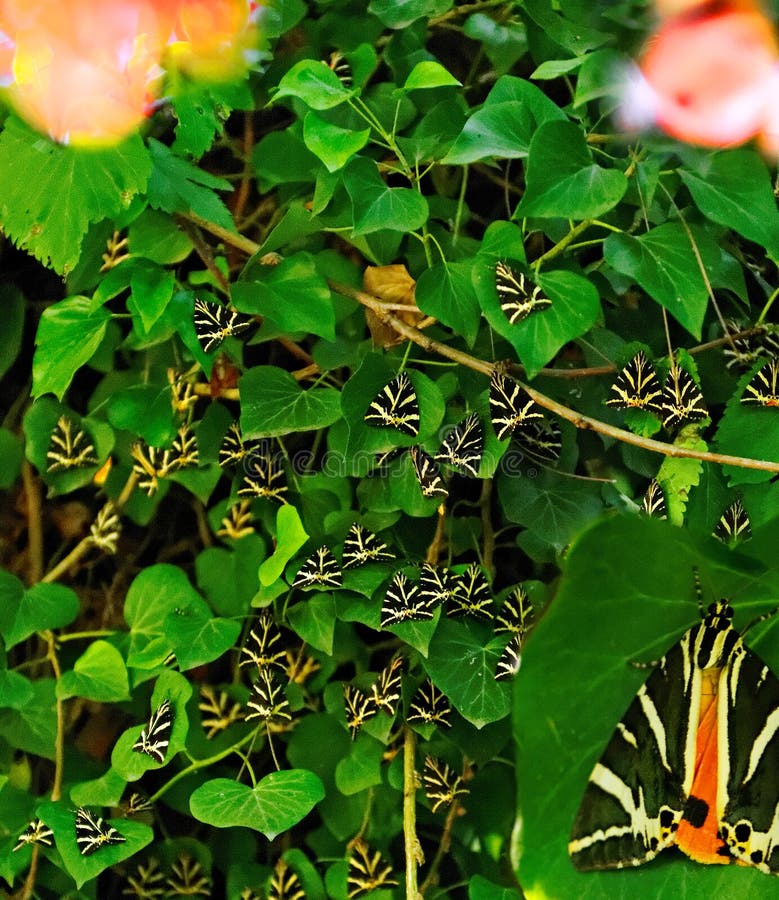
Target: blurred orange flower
(709, 76)
(88, 71)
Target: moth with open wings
(692, 763)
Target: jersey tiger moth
(692, 763)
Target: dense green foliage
(318, 206)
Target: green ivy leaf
(293, 295)
(402, 13)
(313, 621)
(15, 690)
(32, 727)
(229, 578)
(555, 509)
(277, 803)
(481, 889)
(155, 592)
(64, 189)
(315, 83)
(734, 189)
(504, 127)
(196, 636)
(334, 145)
(445, 291)
(562, 179)
(378, 207)
(42, 606)
(152, 287)
(360, 769)
(155, 236)
(273, 403)
(290, 537)
(60, 817)
(663, 262)
(145, 410)
(175, 185)
(98, 674)
(429, 74)
(68, 335)
(572, 35)
(464, 669)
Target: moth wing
(636, 793)
(748, 755)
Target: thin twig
(59, 741)
(444, 843)
(32, 491)
(75, 556)
(413, 850)
(488, 536)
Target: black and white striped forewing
(631, 808)
(429, 706)
(395, 406)
(510, 659)
(214, 322)
(359, 707)
(637, 386)
(511, 406)
(338, 64)
(749, 705)
(37, 832)
(472, 595)
(264, 645)
(93, 832)
(653, 502)
(386, 689)
(285, 884)
(428, 474)
(235, 449)
(540, 439)
(463, 446)
(362, 546)
(69, 447)
(267, 700)
(403, 603)
(321, 568)
(436, 585)
(733, 525)
(442, 785)
(763, 389)
(682, 399)
(263, 473)
(155, 736)
(516, 613)
(367, 871)
(518, 296)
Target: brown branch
(488, 535)
(32, 491)
(444, 843)
(486, 368)
(203, 250)
(570, 415)
(413, 850)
